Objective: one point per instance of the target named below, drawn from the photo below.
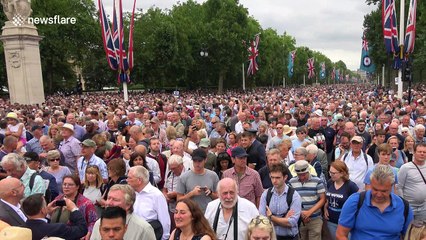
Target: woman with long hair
(54, 134)
(93, 186)
(409, 143)
(139, 159)
(339, 188)
(261, 227)
(223, 162)
(190, 222)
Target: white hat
(16, 233)
(68, 126)
(318, 112)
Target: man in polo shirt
(88, 148)
(284, 217)
(358, 162)
(198, 184)
(34, 144)
(312, 191)
(70, 147)
(247, 179)
(381, 215)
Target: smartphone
(60, 203)
(203, 188)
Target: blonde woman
(261, 227)
(93, 187)
(409, 143)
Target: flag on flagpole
(107, 38)
(341, 75)
(322, 71)
(291, 57)
(333, 74)
(410, 32)
(390, 31)
(254, 53)
(366, 62)
(337, 75)
(311, 68)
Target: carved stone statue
(16, 9)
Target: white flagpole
(126, 96)
(283, 82)
(383, 75)
(304, 81)
(401, 45)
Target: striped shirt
(310, 192)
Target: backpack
(365, 158)
(289, 200)
(47, 193)
(362, 198)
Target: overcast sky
(333, 27)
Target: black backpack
(289, 200)
(47, 193)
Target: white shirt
(239, 127)
(151, 205)
(246, 212)
(358, 168)
(154, 168)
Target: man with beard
(230, 215)
(360, 131)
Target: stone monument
(21, 49)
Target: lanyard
(234, 216)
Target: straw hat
(68, 126)
(12, 115)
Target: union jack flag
(254, 52)
(410, 35)
(390, 26)
(107, 39)
(364, 43)
(333, 74)
(311, 68)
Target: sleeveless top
(15, 129)
(178, 232)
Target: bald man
(11, 192)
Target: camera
(60, 203)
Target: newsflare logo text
(18, 20)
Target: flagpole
(126, 96)
(244, 78)
(383, 75)
(283, 82)
(401, 40)
(304, 81)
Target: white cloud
(333, 27)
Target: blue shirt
(373, 224)
(34, 146)
(95, 161)
(278, 206)
(367, 180)
(71, 149)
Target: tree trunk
(221, 77)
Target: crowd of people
(317, 162)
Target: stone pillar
(22, 53)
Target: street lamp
(204, 53)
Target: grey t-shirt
(189, 180)
(412, 187)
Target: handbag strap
(421, 174)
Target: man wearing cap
(248, 180)
(211, 157)
(88, 158)
(33, 162)
(198, 184)
(358, 162)
(11, 194)
(33, 145)
(312, 191)
(70, 147)
(16, 166)
(316, 132)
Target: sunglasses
(259, 220)
(54, 160)
(300, 170)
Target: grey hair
(175, 159)
(419, 127)
(312, 149)
(383, 173)
(301, 150)
(13, 158)
(221, 182)
(129, 194)
(141, 173)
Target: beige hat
(204, 142)
(12, 115)
(3, 225)
(357, 139)
(301, 166)
(286, 129)
(16, 233)
(68, 126)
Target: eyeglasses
(214, 122)
(68, 185)
(257, 220)
(54, 160)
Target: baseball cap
(238, 152)
(88, 143)
(35, 127)
(357, 139)
(205, 142)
